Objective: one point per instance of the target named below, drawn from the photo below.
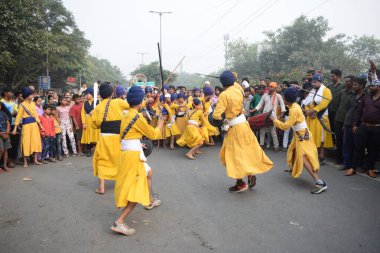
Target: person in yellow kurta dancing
(302, 151)
(90, 135)
(241, 154)
(192, 137)
(132, 186)
(316, 110)
(211, 130)
(30, 134)
(107, 117)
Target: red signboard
(71, 79)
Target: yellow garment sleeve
(221, 106)
(325, 102)
(19, 115)
(95, 115)
(83, 115)
(147, 130)
(287, 124)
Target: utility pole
(226, 39)
(142, 57)
(160, 14)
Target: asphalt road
(58, 210)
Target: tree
(100, 69)
(152, 72)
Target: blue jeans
(48, 146)
(348, 146)
(58, 145)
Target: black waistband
(110, 127)
(180, 116)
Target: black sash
(110, 127)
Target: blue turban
(161, 98)
(196, 101)
(317, 77)
(196, 89)
(164, 111)
(26, 92)
(105, 90)
(166, 87)
(227, 78)
(208, 91)
(291, 94)
(89, 90)
(135, 95)
(173, 97)
(148, 89)
(181, 95)
(120, 91)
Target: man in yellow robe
(302, 151)
(107, 117)
(241, 154)
(316, 110)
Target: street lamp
(142, 57)
(226, 39)
(160, 13)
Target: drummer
(240, 153)
(302, 151)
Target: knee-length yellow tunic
(193, 135)
(30, 133)
(131, 182)
(174, 129)
(240, 152)
(211, 130)
(298, 149)
(181, 121)
(319, 134)
(106, 159)
(89, 134)
(165, 132)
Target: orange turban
(273, 84)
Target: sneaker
(122, 229)
(66, 156)
(52, 160)
(75, 154)
(44, 161)
(251, 181)
(155, 203)
(239, 188)
(318, 188)
(288, 171)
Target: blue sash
(28, 120)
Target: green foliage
(37, 35)
(152, 72)
(288, 52)
(190, 80)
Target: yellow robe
(90, 134)
(193, 135)
(30, 134)
(107, 152)
(297, 149)
(165, 132)
(240, 152)
(315, 126)
(212, 131)
(131, 182)
(174, 130)
(181, 122)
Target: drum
(260, 120)
(147, 147)
(214, 122)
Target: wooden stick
(174, 70)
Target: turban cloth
(135, 95)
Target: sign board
(71, 79)
(44, 82)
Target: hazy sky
(118, 29)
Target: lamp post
(160, 13)
(142, 57)
(226, 39)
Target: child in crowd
(58, 135)
(90, 135)
(5, 128)
(75, 115)
(47, 134)
(66, 125)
